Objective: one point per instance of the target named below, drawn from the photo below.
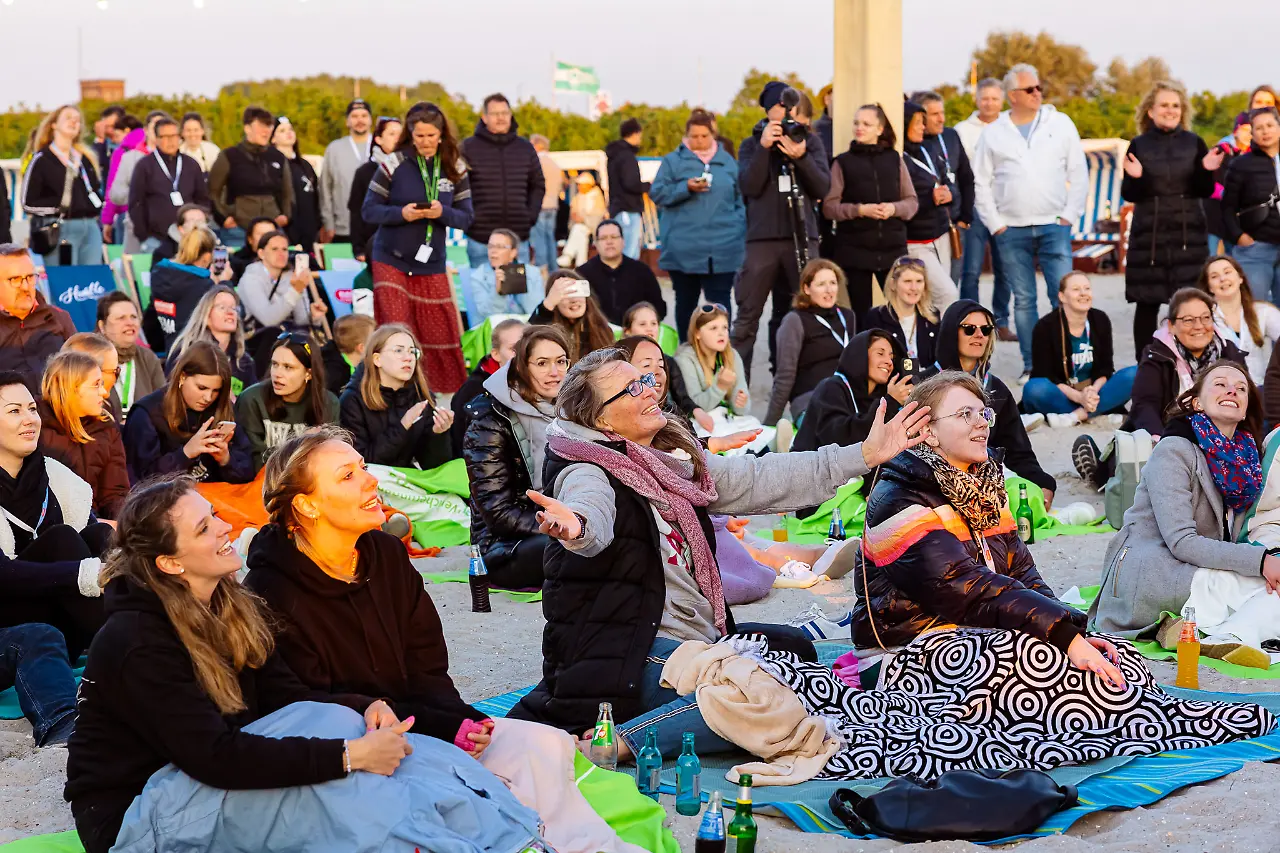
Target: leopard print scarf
(978, 495)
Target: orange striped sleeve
(890, 539)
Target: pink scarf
(704, 156)
(648, 473)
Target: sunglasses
(970, 329)
(1030, 90)
(295, 338)
(713, 306)
(635, 388)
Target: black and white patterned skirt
(984, 698)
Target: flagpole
(553, 81)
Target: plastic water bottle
(604, 741)
(688, 779)
(649, 766)
(478, 580)
(711, 832)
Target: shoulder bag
(46, 228)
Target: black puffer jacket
(602, 614)
(926, 568)
(1168, 240)
(304, 218)
(506, 182)
(1251, 181)
(1155, 385)
(884, 317)
(930, 221)
(835, 417)
(501, 514)
(1008, 434)
(382, 439)
(869, 174)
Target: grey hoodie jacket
(530, 423)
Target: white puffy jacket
(1019, 182)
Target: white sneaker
(1022, 380)
(819, 626)
(837, 561)
(796, 570)
(1058, 421)
(786, 434)
(1031, 422)
(1108, 421)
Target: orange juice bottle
(1189, 653)
(780, 528)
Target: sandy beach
(498, 652)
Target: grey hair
(992, 83)
(577, 402)
(1011, 77)
(12, 250)
(927, 97)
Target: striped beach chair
(1092, 247)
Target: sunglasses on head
(713, 306)
(635, 388)
(971, 329)
(295, 338)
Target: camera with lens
(792, 129)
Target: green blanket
(434, 500)
(1046, 525)
(519, 595)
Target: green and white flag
(576, 78)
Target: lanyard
(360, 158)
(44, 508)
(909, 338)
(432, 184)
(126, 385)
(84, 176)
(927, 165)
(172, 178)
(849, 388)
(844, 327)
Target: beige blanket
(747, 706)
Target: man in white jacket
(1030, 180)
(989, 99)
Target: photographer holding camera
(783, 172)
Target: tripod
(795, 206)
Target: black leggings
(1146, 319)
(519, 567)
(860, 290)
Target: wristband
(346, 757)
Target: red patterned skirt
(425, 304)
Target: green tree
(1065, 69)
(1134, 82)
(748, 97)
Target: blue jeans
(1261, 264)
(1019, 249)
(1041, 395)
(33, 658)
(632, 233)
(542, 238)
(689, 288)
(478, 253)
(85, 237)
(118, 226)
(975, 250)
(671, 715)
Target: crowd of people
(577, 430)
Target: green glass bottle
(741, 834)
(1024, 517)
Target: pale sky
(642, 51)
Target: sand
(498, 652)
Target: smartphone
(219, 258)
(301, 263)
(514, 281)
(577, 288)
(907, 366)
(227, 426)
(705, 177)
(422, 205)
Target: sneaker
(1087, 459)
(837, 561)
(1004, 333)
(796, 570)
(1112, 422)
(819, 626)
(1022, 380)
(1058, 421)
(786, 434)
(1032, 422)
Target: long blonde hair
(703, 315)
(223, 637)
(925, 306)
(44, 136)
(63, 376)
(371, 382)
(1143, 120)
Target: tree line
(1101, 102)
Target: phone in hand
(220, 259)
(577, 289)
(907, 366)
(301, 263)
(422, 205)
(514, 280)
(705, 177)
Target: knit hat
(772, 94)
(358, 104)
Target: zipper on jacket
(875, 176)
(1115, 580)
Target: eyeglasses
(1204, 320)
(412, 352)
(973, 417)
(1030, 90)
(635, 388)
(295, 338)
(714, 306)
(116, 372)
(971, 329)
(28, 280)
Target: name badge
(176, 198)
(951, 177)
(94, 199)
(424, 254)
(784, 184)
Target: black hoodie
(1008, 433)
(379, 636)
(835, 417)
(141, 708)
(507, 184)
(626, 190)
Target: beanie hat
(772, 94)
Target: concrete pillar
(868, 64)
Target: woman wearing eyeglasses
(77, 430)
(292, 400)
(505, 447)
(966, 342)
(1167, 171)
(631, 574)
(304, 218)
(708, 365)
(391, 411)
(216, 319)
